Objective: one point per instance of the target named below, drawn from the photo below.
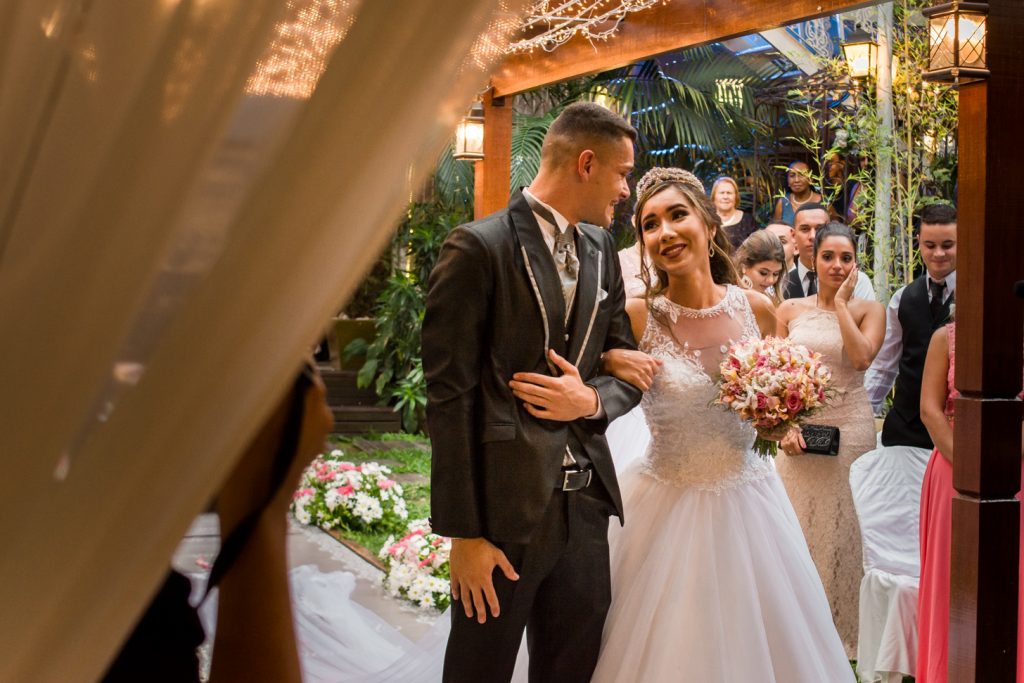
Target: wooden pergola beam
(990, 335)
(662, 28)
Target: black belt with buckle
(576, 480)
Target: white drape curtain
(181, 210)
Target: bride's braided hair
(723, 270)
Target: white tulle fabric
(711, 577)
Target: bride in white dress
(711, 576)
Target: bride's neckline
(678, 310)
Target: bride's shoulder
(763, 309)
(636, 309)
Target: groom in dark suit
(520, 307)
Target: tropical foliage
(921, 143)
(393, 365)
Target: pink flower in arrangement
(346, 490)
(347, 467)
(303, 492)
(762, 401)
(386, 484)
(793, 402)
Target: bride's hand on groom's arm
(563, 399)
(635, 367)
(472, 562)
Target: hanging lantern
(861, 53)
(956, 41)
(469, 136)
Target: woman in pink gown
(937, 394)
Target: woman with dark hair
(798, 180)
(761, 260)
(738, 225)
(847, 331)
(711, 578)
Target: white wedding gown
(711, 577)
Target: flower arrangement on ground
(335, 493)
(417, 566)
(774, 384)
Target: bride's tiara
(661, 175)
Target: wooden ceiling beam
(660, 29)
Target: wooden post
(989, 340)
(493, 175)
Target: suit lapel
(795, 290)
(541, 272)
(588, 286)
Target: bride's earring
(746, 282)
(711, 249)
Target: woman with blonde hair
(761, 261)
(737, 224)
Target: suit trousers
(561, 599)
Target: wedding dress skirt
(715, 587)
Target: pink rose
(793, 402)
(762, 401)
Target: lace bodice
(694, 443)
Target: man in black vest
(521, 305)
(914, 313)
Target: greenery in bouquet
(417, 566)
(337, 494)
(774, 384)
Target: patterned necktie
(564, 253)
(812, 282)
(937, 290)
(565, 250)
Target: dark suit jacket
(494, 306)
(794, 288)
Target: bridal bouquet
(417, 566)
(335, 493)
(774, 384)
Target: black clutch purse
(820, 439)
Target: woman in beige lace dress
(847, 332)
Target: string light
(560, 20)
(303, 41)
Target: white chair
(886, 485)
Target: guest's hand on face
(635, 367)
(845, 292)
(562, 399)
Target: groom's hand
(562, 399)
(472, 562)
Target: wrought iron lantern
(861, 53)
(956, 41)
(469, 136)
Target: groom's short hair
(583, 125)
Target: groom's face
(606, 184)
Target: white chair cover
(886, 485)
(189, 190)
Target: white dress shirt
(879, 378)
(862, 290)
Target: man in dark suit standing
(520, 307)
(914, 313)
